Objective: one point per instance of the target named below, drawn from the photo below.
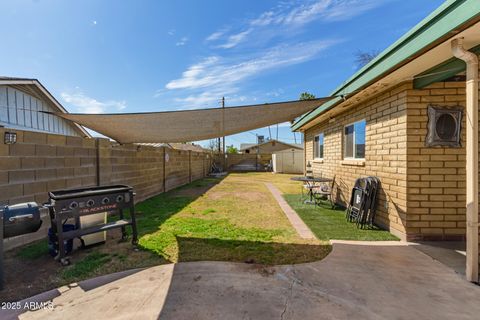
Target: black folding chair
(357, 201)
(363, 201)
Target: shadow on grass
(267, 253)
(330, 224)
(153, 212)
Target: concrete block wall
(41, 162)
(237, 158)
(385, 154)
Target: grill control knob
(90, 203)
(73, 205)
(119, 198)
(105, 200)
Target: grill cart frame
(75, 203)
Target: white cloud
(183, 41)
(171, 32)
(327, 10)
(212, 98)
(264, 19)
(235, 39)
(85, 104)
(287, 16)
(214, 70)
(216, 35)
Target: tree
(364, 57)
(307, 96)
(213, 145)
(232, 149)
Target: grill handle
(19, 217)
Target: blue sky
(134, 56)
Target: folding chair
(357, 201)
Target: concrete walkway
(302, 229)
(356, 281)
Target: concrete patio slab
(450, 253)
(356, 281)
(300, 226)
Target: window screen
(318, 146)
(354, 140)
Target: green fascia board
(442, 71)
(439, 24)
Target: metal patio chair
(325, 191)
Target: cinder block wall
(237, 158)
(41, 162)
(385, 154)
(436, 175)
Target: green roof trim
(438, 25)
(442, 71)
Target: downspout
(471, 144)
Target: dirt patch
(244, 195)
(192, 192)
(26, 277)
(196, 189)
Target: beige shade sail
(191, 125)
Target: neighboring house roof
(177, 146)
(35, 88)
(452, 17)
(245, 146)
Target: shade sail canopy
(191, 125)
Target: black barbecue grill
(16, 220)
(73, 204)
(70, 205)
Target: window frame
(317, 147)
(354, 142)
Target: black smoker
(67, 205)
(75, 203)
(16, 220)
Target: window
(318, 147)
(354, 140)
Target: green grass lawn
(231, 219)
(329, 224)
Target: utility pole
(223, 139)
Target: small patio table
(310, 184)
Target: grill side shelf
(108, 226)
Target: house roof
(245, 146)
(177, 146)
(447, 21)
(36, 89)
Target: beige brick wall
(41, 162)
(423, 188)
(436, 175)
(385, 154)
